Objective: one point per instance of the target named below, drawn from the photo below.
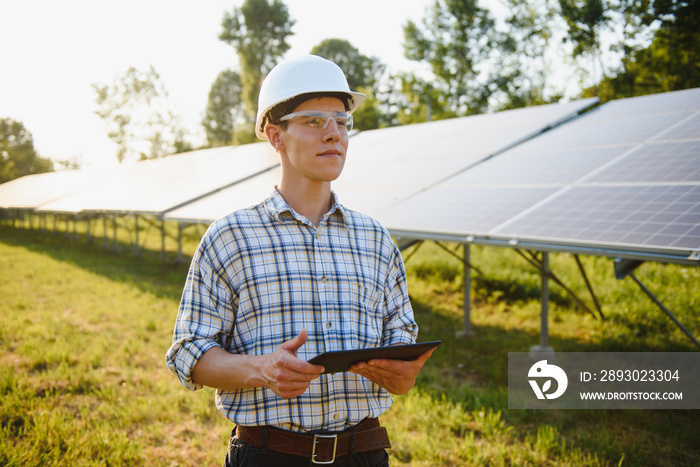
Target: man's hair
(288, 106)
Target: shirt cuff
(399, 336)
(182, 358)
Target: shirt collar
(277, 206)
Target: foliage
(364, 74)
(224, 109)
(457, 40)
(258, 30)
(138, 116)
(584, 19)
(476, 65)
(670, 63)
(17, 155)
(531, 29)
(360, 70)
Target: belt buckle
(316, 441)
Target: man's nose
(331, 133)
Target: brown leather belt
(322, 448)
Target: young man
(276, 284)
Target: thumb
(293, 345)
(425, 356)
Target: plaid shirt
(262, 274)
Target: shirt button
(324, 279)
(336, 416)
(329, 325)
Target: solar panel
(518, 167)
(34, 190)
(388, 165)
(676, 101)
(461, 211)
(665, 216)
(241, 195)
(593, 130)
(665, 161)
(154, 186)
(623, 179)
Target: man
(276, 284)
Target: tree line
(474, 62)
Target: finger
(425, 356)
(293, 345)
(305, 370)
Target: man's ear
(274, 136)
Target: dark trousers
(241, 454)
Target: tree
(460, 43)
(138, 116)
(224, 109)
(364, 74)
(671, 62)
(585, 19)
(609, 33)
(258, 30)
(17, 155)
(530, 27)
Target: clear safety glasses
(319, 120)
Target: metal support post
(467, 330)
(162, 239)
(105, 240)
(179, 242)
(115, 244)
(137, 248)
(540, 350)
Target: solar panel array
(388, 165)
(622, 179)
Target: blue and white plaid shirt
(262, 274)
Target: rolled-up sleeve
(205, 315)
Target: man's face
(310, 152)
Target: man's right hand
(285, 374)
(281, 371)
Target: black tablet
(341, 360)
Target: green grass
(84, 330)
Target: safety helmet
(301, 75)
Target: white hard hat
(301, 75)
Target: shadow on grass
(513, 292)
(148, 271)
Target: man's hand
(396, 376)
(281, 371)
(285, 374)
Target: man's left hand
(396, 376)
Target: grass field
(83, 333)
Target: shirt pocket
(362, 311)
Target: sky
(53, 51)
